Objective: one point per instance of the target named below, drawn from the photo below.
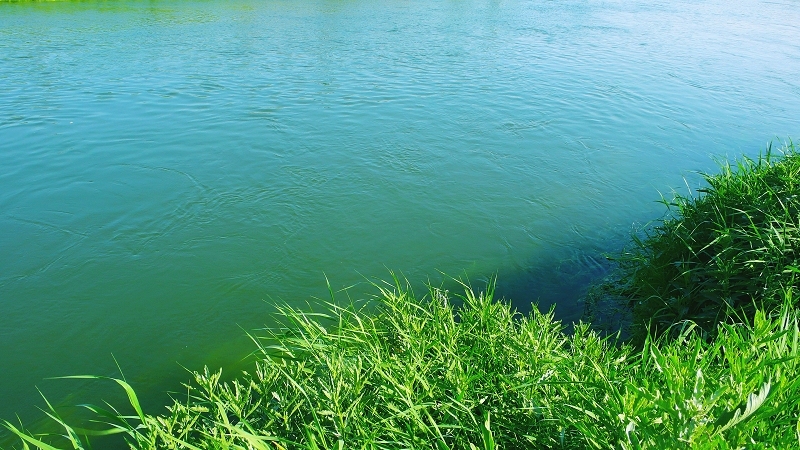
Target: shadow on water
(553, 282)
(561, 280)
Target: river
(170, 170)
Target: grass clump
(721, 255)
(407, 374)
(468, 372)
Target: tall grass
(468, 372)
(723, 254)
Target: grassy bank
(714, 283)
(421, 373)
(719, 256)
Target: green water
(171, 169)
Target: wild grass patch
(719, 256)
(465, 371)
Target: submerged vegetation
(720, 367)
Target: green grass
(723, 254)
(715, 282)
(469, 372)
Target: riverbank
(713, 362)
(418, 373)
(720, 255)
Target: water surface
(171, 169)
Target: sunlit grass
(466, 371)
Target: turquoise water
(169, 170)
